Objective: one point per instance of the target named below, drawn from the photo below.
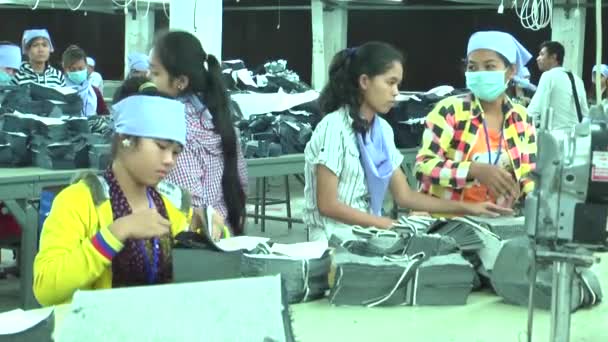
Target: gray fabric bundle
(396, 242)
(386, 281)
(304, 279)
(511, 274)
(506, 227)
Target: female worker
(116, 230)
(212, 166)
(351, 159)
(481, 147)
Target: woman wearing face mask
(481, 146)
(351, 159)
(75, 67)
(37, 46)
(603, 70)
(212, 166)
(116, 230)
(10, 62)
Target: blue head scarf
(90, 62)
(138, 61)
(504, 44)
(152, 117)
(10, 56)
(29, 35)
(524, 83)
(603, 70)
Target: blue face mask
(5, 78)
(486, 85)
(78, 77)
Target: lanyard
(502, 130)
(151, 267)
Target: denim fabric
(510, 279)
(304, 279)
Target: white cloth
(334, 145)
(96, 80)
(555, 91)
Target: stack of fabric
(407, 117)
(54, 143)
(275, 111)
(304, 267)
(41, 100)
(403, 266)
(400, 280)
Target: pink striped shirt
(200, 166)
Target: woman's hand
(499, 182)
(486, 209)
(144, 224)
(384, 223)
(199, 220)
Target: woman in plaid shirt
(481, 146)
(211, 166)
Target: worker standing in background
(94, 77)
(75, 67)
(558, 89)
(37, 46)
(139, 65)
(603, 70)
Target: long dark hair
(182, 54)
(347, 66)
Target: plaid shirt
(442, 164)
(200, 166)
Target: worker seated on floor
(481, 147)
(116, 230)
(351, 160)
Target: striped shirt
(334, 145)
(51, 76)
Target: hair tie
(147, 85)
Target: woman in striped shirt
(37, 46)
(351, 159)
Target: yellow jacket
(76, 245)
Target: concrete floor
(484, 319)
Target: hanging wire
(598, 47)
(147, 9)
(75, 8)
(165, 9)
(194, 23)
(534, 14)
(279, 17)
(125, 3)
(35, 5)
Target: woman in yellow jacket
(116, 230)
